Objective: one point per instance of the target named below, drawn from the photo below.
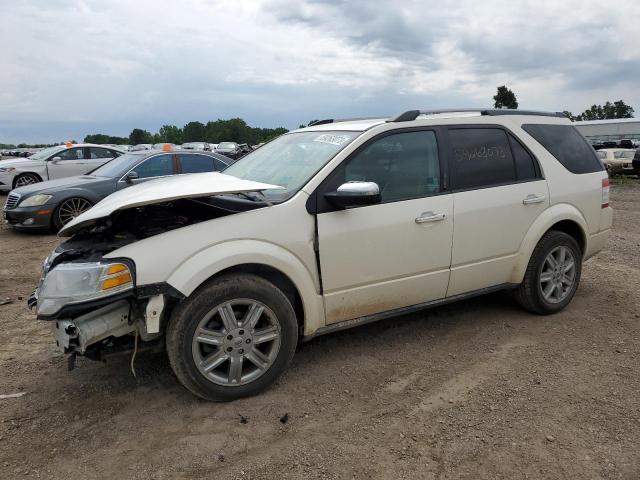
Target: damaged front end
(94, 302)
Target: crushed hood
(164, 190)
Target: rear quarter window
(567, 145)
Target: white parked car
(617, 160)
(54, 162)
(325, 228)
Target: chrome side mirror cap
(351, 194)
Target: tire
(26, 179)
(533, 293)
(190, 355)
(78, 204)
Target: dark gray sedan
(49, 205)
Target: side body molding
(195, 270)
(548, 218)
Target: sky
(73, 67)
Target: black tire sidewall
(548, 243)
(187, 316)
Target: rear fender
(540, 226)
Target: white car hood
(164, 190)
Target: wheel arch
(266, 260)
(564, 218)
(18, 175)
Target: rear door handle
(533, 199)
(427, 217)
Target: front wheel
(26, 179)
(68, 210)
(232, 338)
(553, 274)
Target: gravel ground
(478, 389)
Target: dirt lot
(474, 390)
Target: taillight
(605, 192)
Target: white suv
(325, 228)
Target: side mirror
(131, 176)
(55, 159)
(352, 194)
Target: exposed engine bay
(127, 226)
(130, 321)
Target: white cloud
(75, 67)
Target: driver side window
(404, 165)
(70, 154)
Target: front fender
(201, 266)
(540, 226)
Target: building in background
(600, 131)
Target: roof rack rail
(410, 115)
(321, 122)
(338, 120)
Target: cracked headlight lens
(70, 283)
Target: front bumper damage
(77, 335)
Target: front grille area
(12, 201)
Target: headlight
(70, 283)
(7, 169)
(35, 201)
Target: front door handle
(427, 217)
(533, 199)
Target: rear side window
(525, 164)
(566, 144)
(480, 157)
(196, 163)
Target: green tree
(138, 135)
(193, 132)
(505, 98)
(609, 110)
(170, 134)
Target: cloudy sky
(72, 67)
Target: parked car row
(324, 228)
(618, 160)
(624, 143)
(80, 176)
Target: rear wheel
(26, 179)
(68, 210)
(232, 338)
(553, 274)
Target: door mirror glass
(131, 176)
(355, 193)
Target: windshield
(226, 145)
(118, 166)
(290, 160)
(46, 153)
(624, 154)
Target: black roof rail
(506, 111)
(410, 115)
(338, 120)
(407, 116)
(321, 122)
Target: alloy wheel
(558, 274)
(236, 342)
(71, 208)
(26, 180)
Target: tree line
(232, 130)
(505, 98)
